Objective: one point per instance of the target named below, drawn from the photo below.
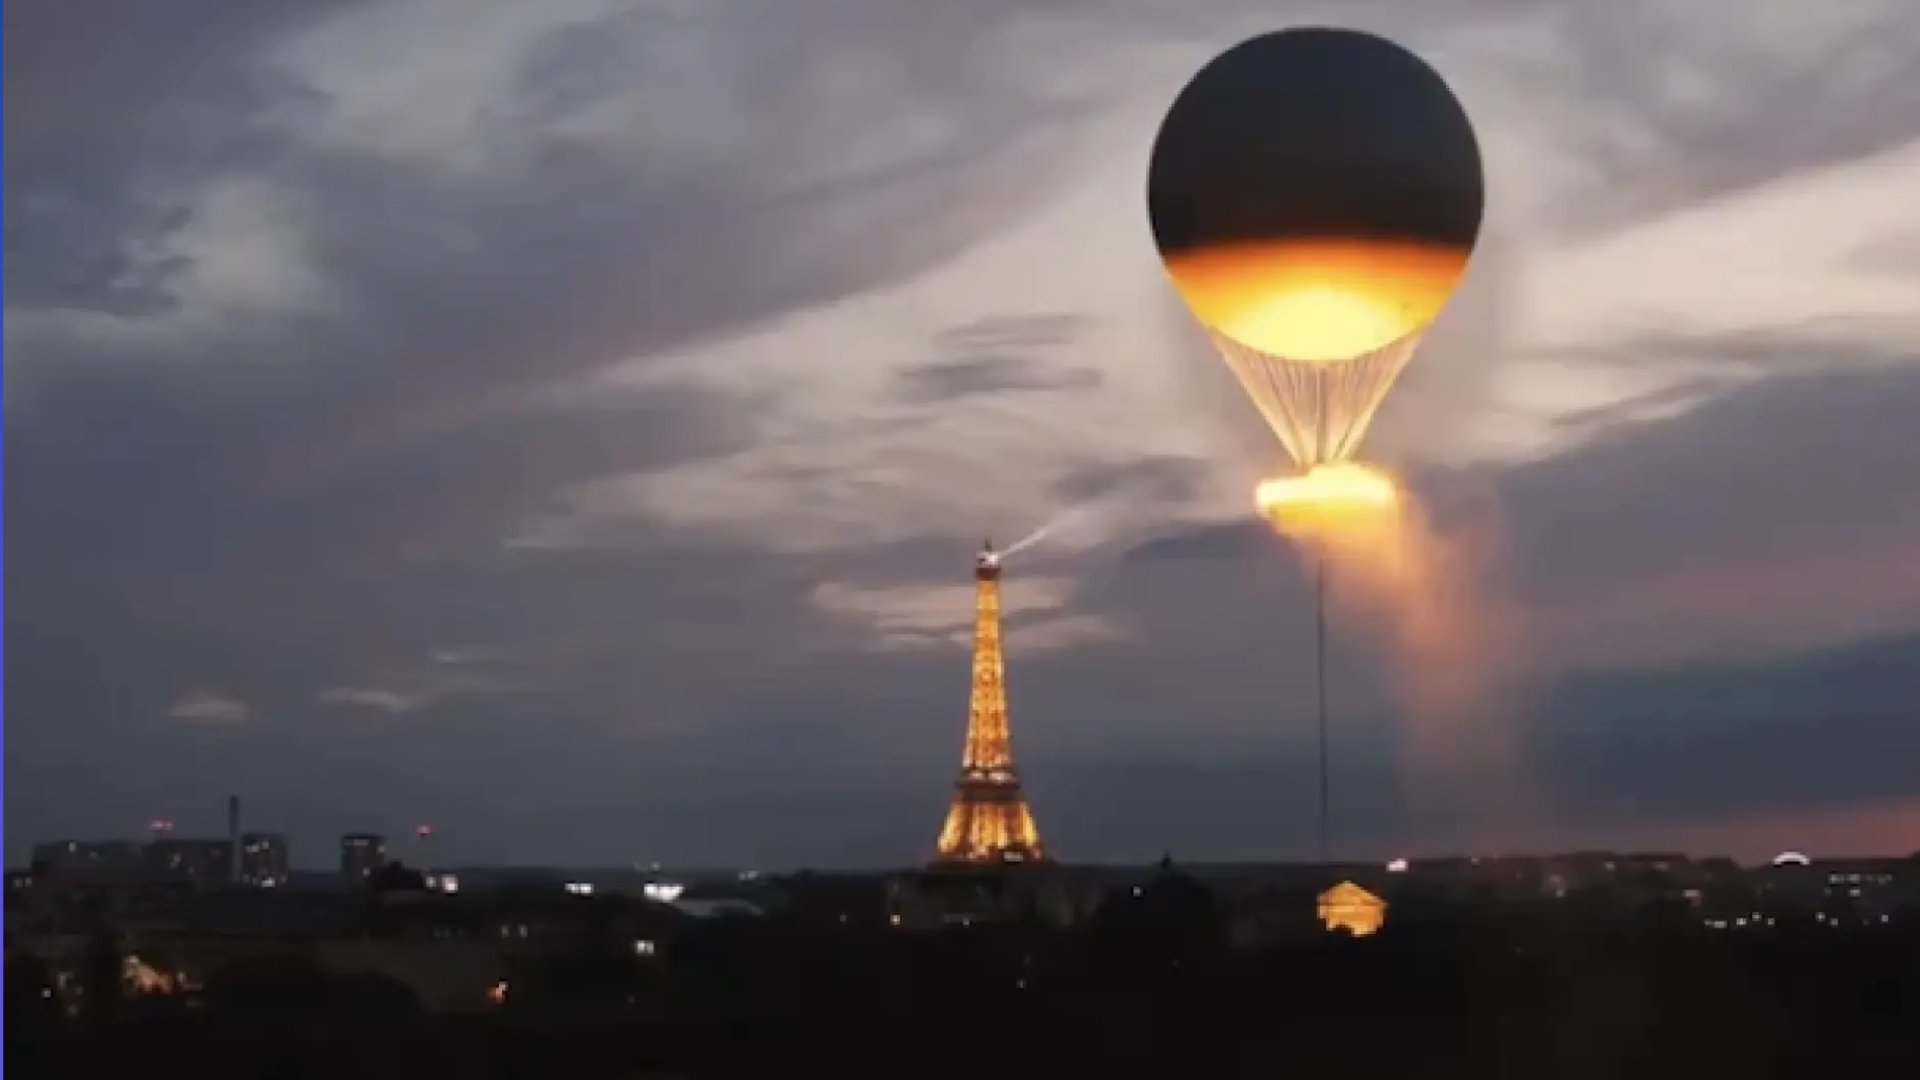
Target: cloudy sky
(570, 423)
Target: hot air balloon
(1315, 195)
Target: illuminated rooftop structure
(987, 563)
(1349, 907)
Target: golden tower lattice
(989, 821)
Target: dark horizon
(1591, 726)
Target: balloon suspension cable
(1320, 670)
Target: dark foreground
(763, 1000)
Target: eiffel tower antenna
(989, 820)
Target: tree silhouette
(102, 980)
(268, 987)
(1162, 928)
(32, 1007)
(396, 877)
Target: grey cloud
(207, 707)
(1012, 332)
(642, 666)
(987, 375)
(856, 775)
(197, 554)
(391, 702)
(267, 492)
(1616, 755)
(791, 763)
(448, 306)
(1833, 727)
(1232, 541)
(77, 257)
(1683, 394)
(1898, 254)
(1786, 477)
(1854, 340)
(112, 109)
(470, 656)
(1684, 492)
(1158, 479)
(1793, 469)
(996, 355)
(1445, 389)
(319, 502)
(1694, 108)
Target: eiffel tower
(989, 821)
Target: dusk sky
(571, 423)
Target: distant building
(264, 859)
(1870, 890)
(1349, 907)
(63, 856)
(361, 854)
(962, 896)
(191, 860)
(1861, 879)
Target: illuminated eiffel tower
(989, 821)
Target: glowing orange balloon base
(1317, 302)
(1325, 496)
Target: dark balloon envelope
(1315, 195)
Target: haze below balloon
(572, 424)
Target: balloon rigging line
(1320, 410)
(1320, 667)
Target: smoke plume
(1424, 589)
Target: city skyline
(410, 418)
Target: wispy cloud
(451, 675)
(939, 614)
(208, 707)
(391, 702)
(313, 310)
